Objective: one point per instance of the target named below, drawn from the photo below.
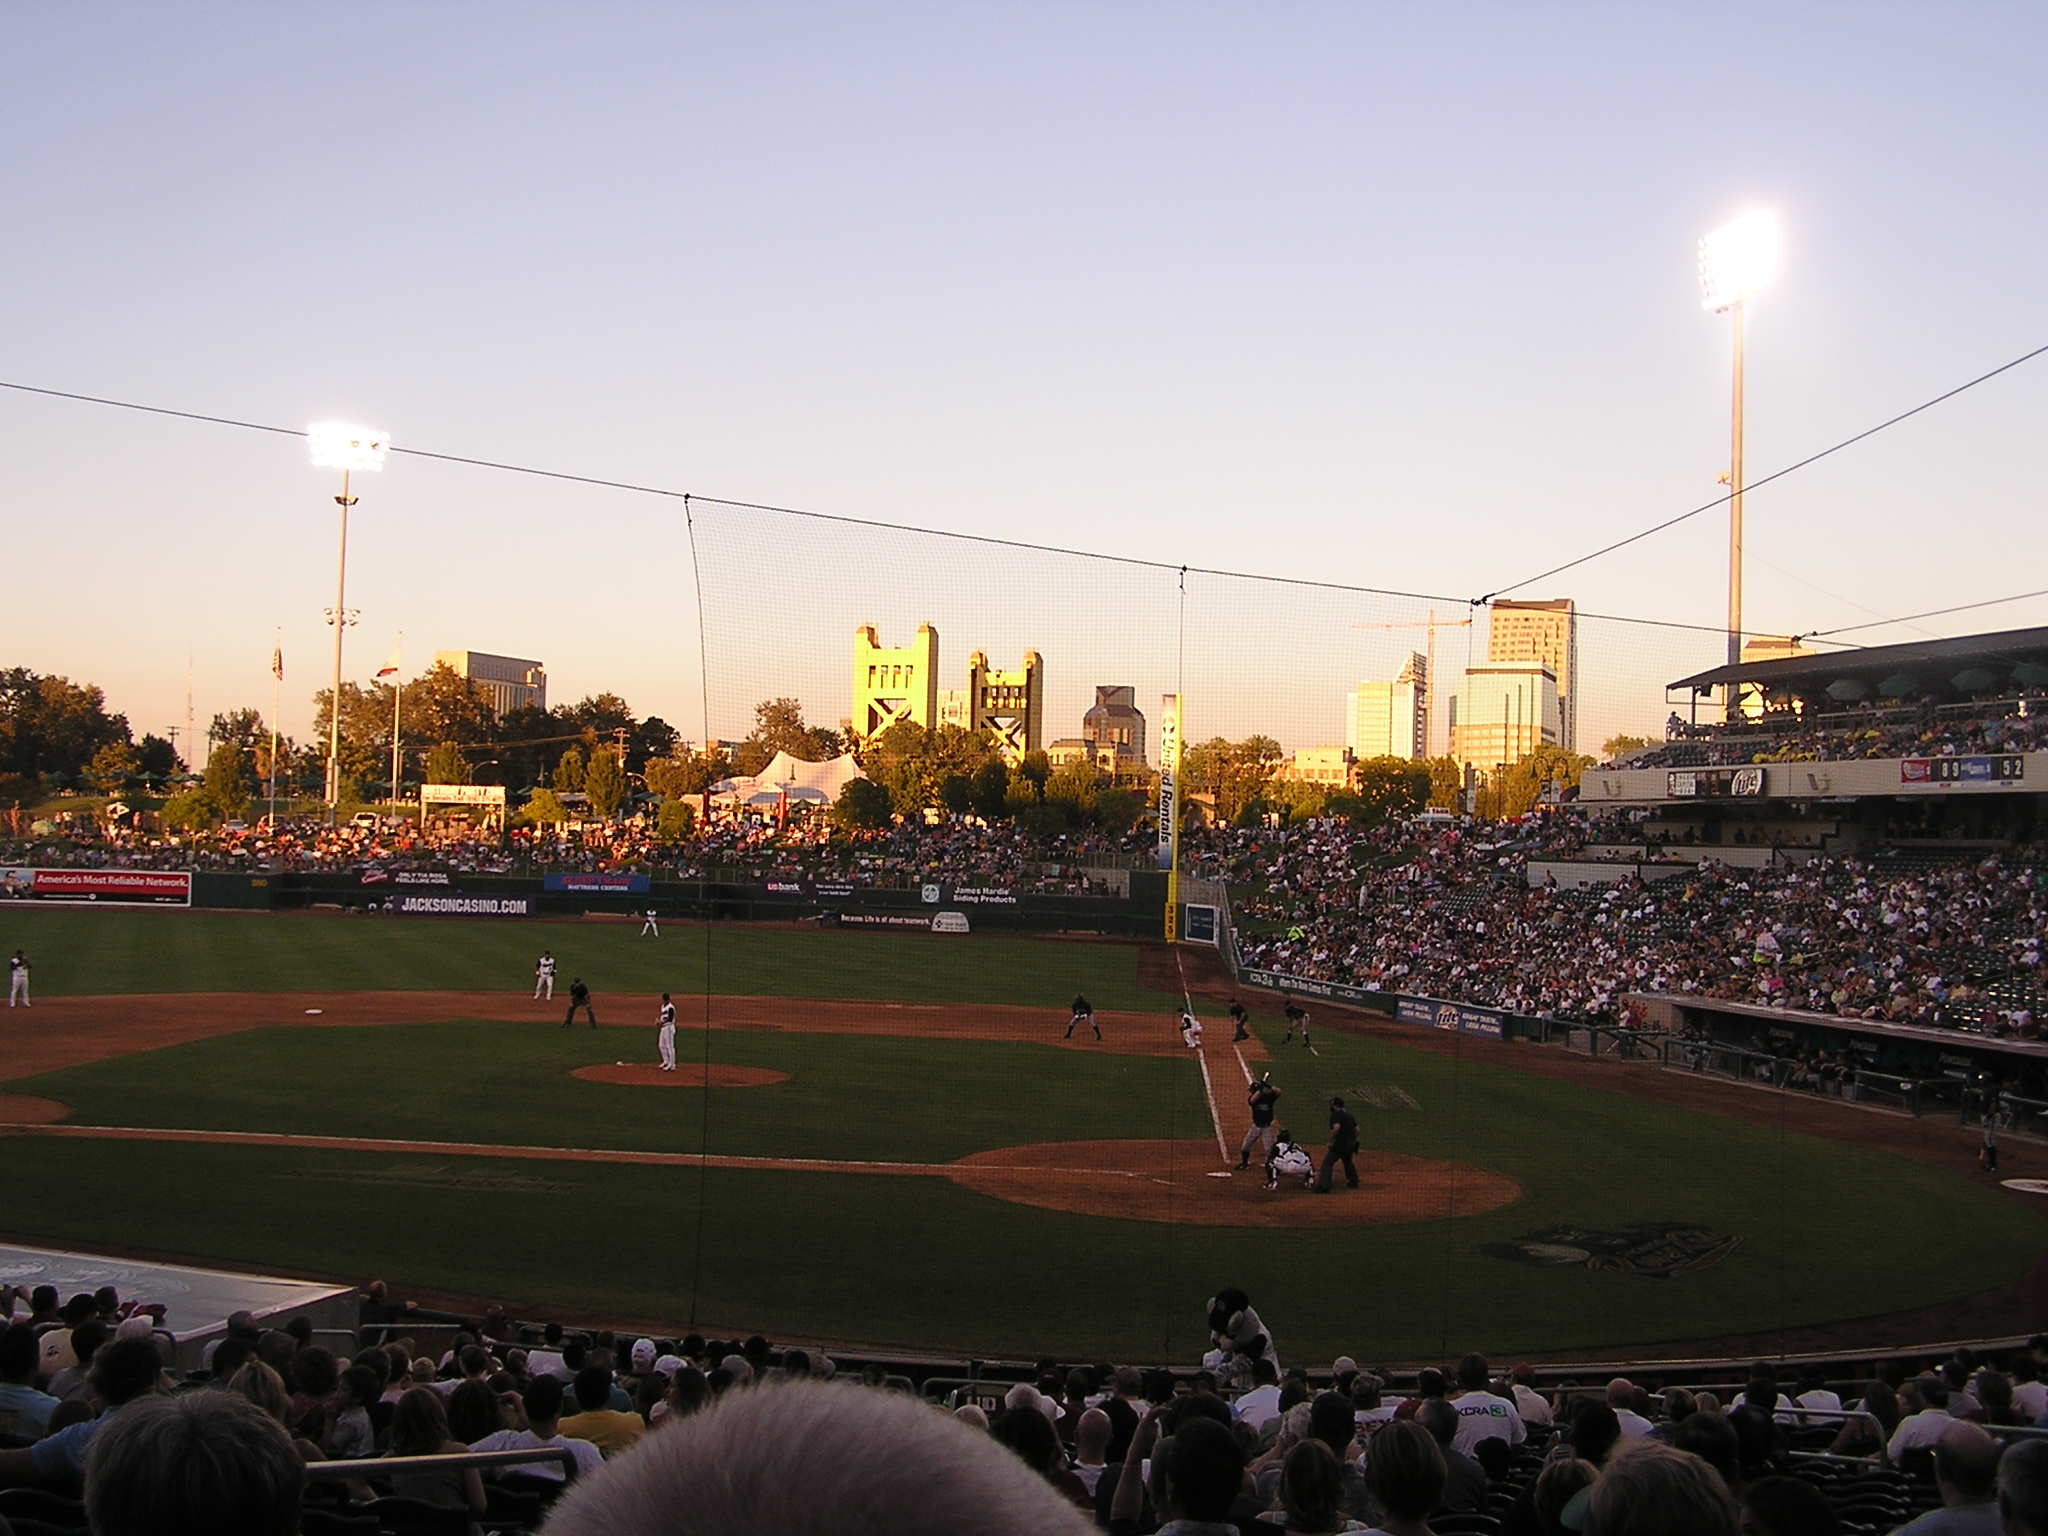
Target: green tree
(569, 772)
(992, 789)
(191, 811)
(779, 727)
(1235, 773)
(605, 781)
(447, 765)
(156, 760)
(439, 705)
(544, 808)
(1072, 789)
(956, 794)
(1034, 768)
(1621, 746)
(862, 806)
(1118, 810)
(676, 820)
(114, 767)
(365, 730)
(52, 725)
(686, 773)
(1390, 788)
(1446, 782)
(243, 727)
(227, 781)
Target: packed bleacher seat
(679, 1435)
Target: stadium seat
(511, 1507)
(1464, 1525)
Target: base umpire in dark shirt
(1343, 1147)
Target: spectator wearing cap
(611, 1430)
(543, 1403)
(642, 1357)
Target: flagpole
(397, 693)
(276, 677)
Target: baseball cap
(643, 1352)
(1523, 1371)
(1345, 1366)
(668, 1365)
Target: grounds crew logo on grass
(1657, 1250)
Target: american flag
(277, 662)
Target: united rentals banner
(100, 887)
(1169, 810)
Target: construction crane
(1432, 624)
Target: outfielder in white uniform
(649, 926)
(17, 979)
(544, 976)
(667, 1034)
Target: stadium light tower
(347, 449)
(1735, 263)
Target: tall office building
(1502, 712)
(508, 680)
(1116, 726)
(1390, 719)
(1547, 632)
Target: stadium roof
(1960, 667)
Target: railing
(383, 1466)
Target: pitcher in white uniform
(667, 1034)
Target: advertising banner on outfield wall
(610, 885)
(405, 904)
(100, 887)
(1431, 1012)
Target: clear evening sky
(1396, 295)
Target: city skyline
(1423, 316)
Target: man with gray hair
(193, 1465)
(2023, 1488)
(870, 1461)
(1966, 1471)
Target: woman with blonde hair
(266, 1389)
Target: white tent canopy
(818, 783)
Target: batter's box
(1388, 1097)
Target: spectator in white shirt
(1483, 1414)
(1815, 1396)
(543, 1402)
(1621, 1397)
(1532, 1405)
(1925, 1427)
(1260, 1406)
(2029, 1392)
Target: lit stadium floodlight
(1737, 260)
(336, 445)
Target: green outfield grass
(81, 952)
(1827, 1231)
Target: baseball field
(884, 1139)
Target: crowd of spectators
(754, 847)
(711, 1437)
(1449, 913)
(1783, 737)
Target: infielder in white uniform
(1190, 1030)
(544, 976)
(17, 979)
(667, 1034)
(649, 926)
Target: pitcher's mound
(1170, 1181)
(688, 1074)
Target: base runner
(666, 1035)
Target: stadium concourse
(415, 1418)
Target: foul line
(545, 1154)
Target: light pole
(1735, 263)
(347, 449)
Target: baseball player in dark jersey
(579, 997)
(1342, 1149)
(1241, 1017)
(1262, 1097)
(1083, 1014)
(1297, 1018)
